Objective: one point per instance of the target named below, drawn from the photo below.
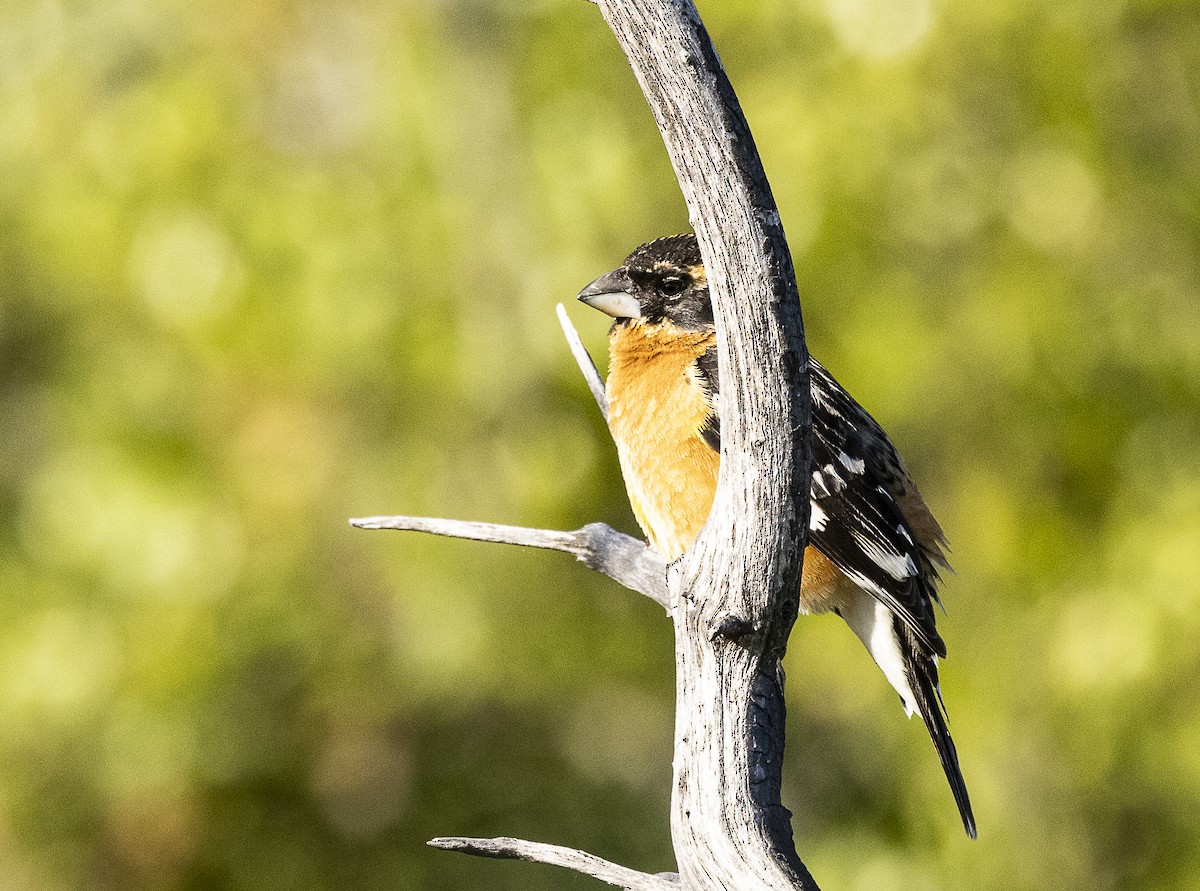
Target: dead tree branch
(733, 596)
(569, 858)
(597, 546)
(735, 593)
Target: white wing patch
(874, 624)
(854, 465)
(817, 518)
(898, 566)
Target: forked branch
(733, 596)
(729, 827)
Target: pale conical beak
(610, 294)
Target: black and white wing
(856, 518)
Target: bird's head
(662, 281)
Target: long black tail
(923, 678)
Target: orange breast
(657, 409)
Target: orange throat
(657, 410)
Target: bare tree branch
(579, 861)
(622, 558)
(736, 592)
(584, 360)
(734, 596)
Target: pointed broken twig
(622, 558)
(584, 360)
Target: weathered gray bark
(623, 559)
(733, 596)
(569, 858)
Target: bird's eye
(673, 285)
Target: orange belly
(657, 410)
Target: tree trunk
(733, 596)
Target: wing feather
(858, 481)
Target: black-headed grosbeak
(874, 547)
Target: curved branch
(733, 597)
(569, 858)
(735, 592)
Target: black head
(662, 281)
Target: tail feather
(921, 669)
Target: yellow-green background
(265, 266)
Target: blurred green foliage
(266, 266)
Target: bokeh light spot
(94, 512)
(1054, 199)
(60, 661)
(31, 39)
(1104, 642)
(880, 29)
(184, 267)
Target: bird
(874, 547)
